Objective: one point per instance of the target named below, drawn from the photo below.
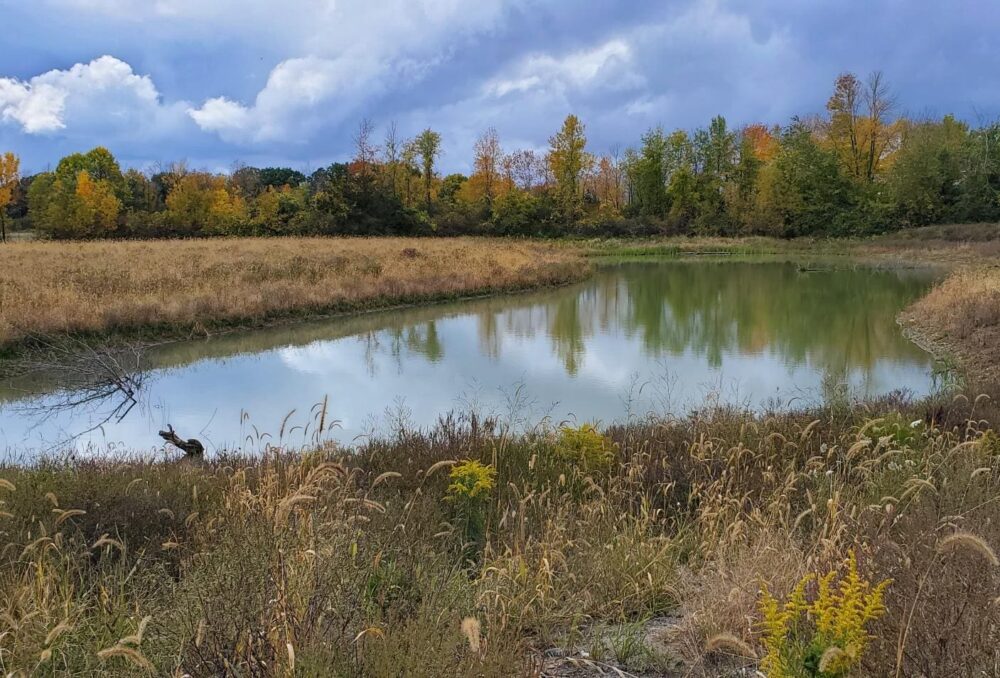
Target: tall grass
(961, 318)
(180, 287)
(642, 548)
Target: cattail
(471, 631)
(727, 642)
(969, 542)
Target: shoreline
(112, 295)
(136, 338)
(580, 261)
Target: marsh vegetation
(465, 550)
(188, 288)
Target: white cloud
(608, 66)
(103, 95)
(221, 115)
(299, 94)
(339, 71)
(36, 109)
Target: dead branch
(191, 447)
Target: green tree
(980, 171)
(717, 149)
(741, 192)
(140, 193)
(683, 196)
(924, 182)
(649, 175)
(679, 153)
(428, 146)
(98, 163)
(809, 194)
(450, 187)
(568, 160)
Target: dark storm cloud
(263, 82)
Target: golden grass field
(647, 549)
(961, 317)
(48, 288)
(858, 536)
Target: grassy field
(952, 245)
(961, 318)
(856, 539)
(174, 288)
(646, 549)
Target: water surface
(638, 337)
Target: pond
(638, 337)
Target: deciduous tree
(428, 146)
(568, 159)
(10, 177)
(96, 207)
(487, 164)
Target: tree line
(855, 170)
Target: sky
(266, 82)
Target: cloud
(300, 94)
(403, 41)
(608, 66)
(270, 82)
(100, 96)
(36, 108)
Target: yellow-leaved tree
(9, 177)
(568, 160)
(203, 203)
(97, 207)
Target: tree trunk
(191, 447)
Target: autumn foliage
(858, 169)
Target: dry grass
(175, 287)
(950, 245)
(961, 318)
(355, 562)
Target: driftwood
(191, 447)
